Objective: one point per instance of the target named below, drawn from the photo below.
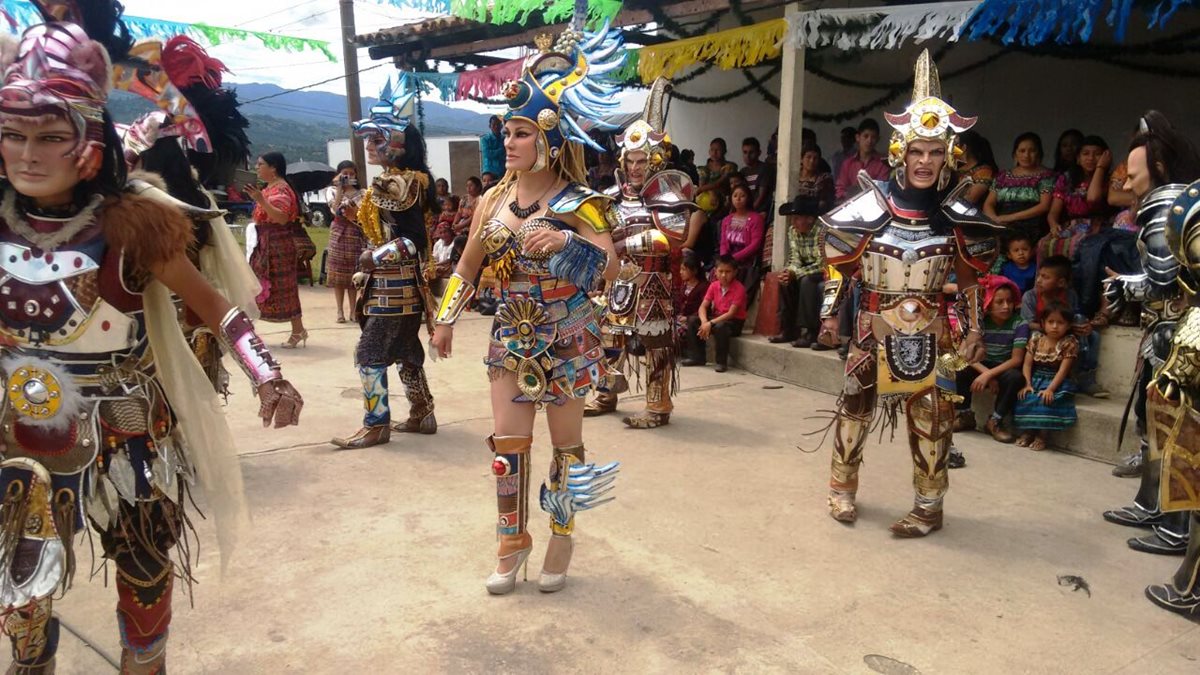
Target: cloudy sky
(316, 19)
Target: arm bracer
(580, 262)
(238, 338)
(393, 252)
(458, 295)
(971, 300)
(835, 288)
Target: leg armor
(930, 427)
(660, 378)
(138, 541)
(564, 459)
(420, 401)
(376, 410)
(511, 468)
(855, 413)
(1168, 536)
(615, 382)
(34, 635)
(1182, 594)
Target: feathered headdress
(563, 84)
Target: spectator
(1046, 402)
(1019, 267)
(275, 257)
(689, 293)
(753, 170)
(687, 164)
(866, 159)
(602, 174)
(977, 166)
(846, 149)
(800, 280)
(491, 149)
(1080, 200)
(1053, 285)
(808, 138)
(489, 180)
(725, 302)
(814, 183)
(742, 238)
(449, 213)
(714, 177)
(441, 193)
(1021, 196)
(443, 251)
(1066, 151)
(1005, 336)
(466, 206)
(346, 240)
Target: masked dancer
(548, 239)
(906, 236)
(1161, 163)
(654, 204)
(395, 300)
(95, 427)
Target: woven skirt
(274, 263)
(346, 243)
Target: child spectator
(449, 213)
(689, 294)
(1005, 336)
(742, 238)
(1053, 284)
(443, 250)
(725, 299)
(1020, 268)
(1046, 402)
(800, 280)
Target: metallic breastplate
(394, 290)
(633, 217)
(51, 301)
(907, 258)
(504, 248)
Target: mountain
(299, 123)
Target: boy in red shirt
(725, 302)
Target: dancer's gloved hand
(972, 349)
(279, 400)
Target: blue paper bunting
(1034, 22)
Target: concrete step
(1093, 436)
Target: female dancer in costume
(547, 237)
(91, 426)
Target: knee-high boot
(560, 533)
(34, 634)
(376, 410)
(1182, 594)
(660, 378)
(420, 402)
(510, 465)
(930, 426)
(143, 616)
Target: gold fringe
(734, 48)
(369, 221)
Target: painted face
(1089, 157)
(1026, 155)
(1055, 325)
(1020, 252)
(636, 164)
(726, 273)
(520, 145)
(1138, 180)
(1001, 309)
(371, 144)
(924, 163)
(38, 159)
(867, 139)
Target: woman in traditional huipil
(547, 237)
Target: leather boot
(34, 635)
(420, 403)
(918, 523)
(510, 466)
(365, 438)
(1182, 594)
(604, 403)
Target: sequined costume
(905, 241)
(652, 221)
(546, 333)
(1173, 407)
(94, 429)
(1163, 303)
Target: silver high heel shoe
(551, 583)
(503, 583)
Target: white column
(791, 122)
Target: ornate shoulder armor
(1183, 237)
(847, 229)
(586, 204)
(975, 233)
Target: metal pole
(353, 97)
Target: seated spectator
(815, 183)
(1080, 203)
(1020, 197)
(868, 159)
(1019, 267)
(443, 251)
(449, 214)
(1053, 285)
(722, 315)
(977, 166)
(714, 174)
(488, 179)
(1005, 336)
(688, 296)
(753, 169)
(1046, 402)
(466, 206)
(801, 279)
(846, 140)
(742, 238)
(441, 189)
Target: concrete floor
(717, 555)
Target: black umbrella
(310, 176)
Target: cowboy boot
(376, 414)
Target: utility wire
(314, 84)
(303, 19)
(278, 11)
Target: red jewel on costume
(501, 467)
